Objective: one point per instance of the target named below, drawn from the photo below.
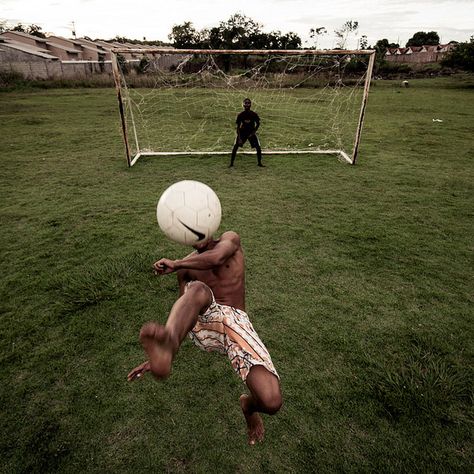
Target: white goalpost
(185, 101)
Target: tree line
(242, 32)
(238, 32)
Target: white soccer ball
(189, 212)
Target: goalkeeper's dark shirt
(247, 121)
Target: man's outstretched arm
(224, 249)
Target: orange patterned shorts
(229, 331)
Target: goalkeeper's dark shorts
(253, 140)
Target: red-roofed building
(419, 54)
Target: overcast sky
(396, 20)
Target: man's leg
(265, 397)
(254, 141)
(259, 156)
(234, 153)
(161, 343)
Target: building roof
(64, 48)
(26, 35)
(421, 49)
(76, 46)
(30, 49)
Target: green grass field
(359, 278)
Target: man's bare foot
(255, 429)
(156, 342)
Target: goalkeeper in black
(247, 125)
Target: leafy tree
(122, 63)
(421, 38)
(211, 38)
(461, 57)
(263, 40)
(381, 48)
(143, 65)
(238, 32)
(382, 45)
(19, 27)
(184, 36)
(316, 33)
(290, 41)
(363, 43)
(124, 39)
(343, 32)
(35, 30)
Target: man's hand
(139, 371)
(164, 266)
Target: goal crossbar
(255, 52)
(133, 157)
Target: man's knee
(200, 292)
(271, 402)
(265, 388)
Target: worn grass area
(359, 281)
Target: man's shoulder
(230, 238)
(230, 235)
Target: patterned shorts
(229, 331)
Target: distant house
(58, 57)
(88, 51)
(419, 54)
(64, 49)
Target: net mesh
(189, 102)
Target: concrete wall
(31, 66)
(420, 54)
(428, 57)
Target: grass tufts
(91, 285)
(426, 385)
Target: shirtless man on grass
(211, 309)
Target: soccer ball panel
(189, 212)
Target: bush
(461, 58)
(143, 65)
(14, 80)
(387, 68)
(11, 79)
